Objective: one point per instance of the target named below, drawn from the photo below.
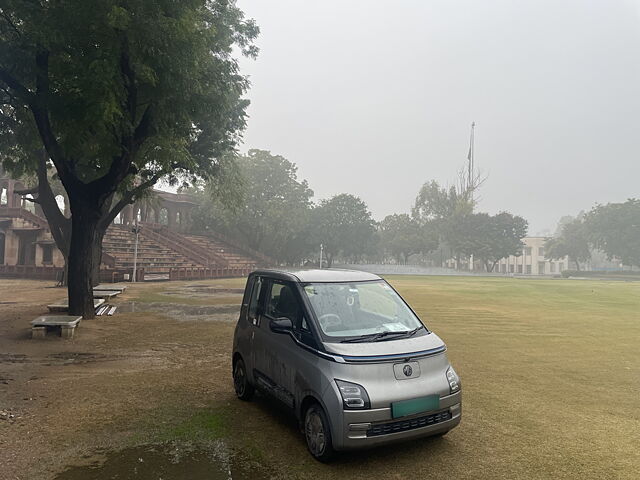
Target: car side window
(283, 302)
(254, 302)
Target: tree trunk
(85, 239)
(577, 265)
(329, 259)
(97, 261)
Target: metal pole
(136, 230)
(321, 248)
(471, 159)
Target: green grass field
(551, 385)
(550, 372)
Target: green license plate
(416, 405)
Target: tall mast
(470, 174)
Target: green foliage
(271, 208)
(155, 78)
(572, 240)
(615, 229)
(486, 237)
(402, 236)
(434, 202)
(343, 225)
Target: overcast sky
(374, 98)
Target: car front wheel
(318, 433)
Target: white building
(532, 260)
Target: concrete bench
(63, 305)
(106, 294)
(111, 287)
(65, 323)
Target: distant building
(532, 260)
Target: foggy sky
(375, 98)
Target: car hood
(401, 346)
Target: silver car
(345, 352)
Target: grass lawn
(550, 373)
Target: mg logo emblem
(407, 370)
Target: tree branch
(16, 86)
(130, 197)
(131, 141)
(10, 22)
(43, 123)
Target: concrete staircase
(153, 257)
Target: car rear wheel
(318, 434)
(244, 390)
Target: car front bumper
(368, 428)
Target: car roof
(328, 275)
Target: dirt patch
(113, 383)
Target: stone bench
(65, 323)
(106, 294)
(63, 305)
(111, 287)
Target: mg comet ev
(345, 352)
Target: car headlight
(454, 380)
(354, 396)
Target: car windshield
(360, 309)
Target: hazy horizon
(375, 99)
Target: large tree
(487, 237)
(271, 208)
(434, 202)
(402, 236)
(615, 229)
(116, 95)
(572, 240)
(343, 225)
(443, 211)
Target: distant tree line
(258, 200)
(613, 228)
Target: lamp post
(136, 230)
(321, 248)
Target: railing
(179, 247)
(186, 273)
(234, 245)
(181, 239)
(47, 272)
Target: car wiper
(382, 336)
(361, 338)
(388, 334)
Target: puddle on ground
(206, 313)
(206, 291)
(166, 462)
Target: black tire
(317, 434)
(244, 390)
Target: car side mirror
(281, 325)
